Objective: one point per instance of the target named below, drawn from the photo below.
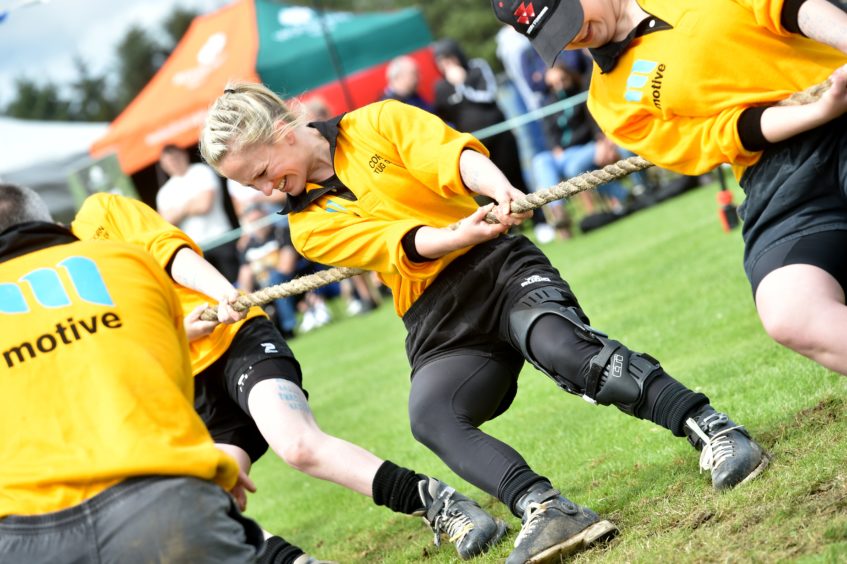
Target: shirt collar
(329, 130)
(607, 56)
(32, 236)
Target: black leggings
(453, 395)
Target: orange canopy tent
(288, 48)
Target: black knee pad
(536, 304)
(614, 376)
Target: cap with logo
(549, 24)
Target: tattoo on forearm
(291, 394)
(186, 279)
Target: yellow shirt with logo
(676, 95)
(402, 164)
(96, 381)
(118, 218)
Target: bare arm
(193, 271)
(434, 243)
(481, 176)
(824, 22)
(781, 122)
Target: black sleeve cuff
(750, 129)
(409, 247)
(789, 16)
(170, 264)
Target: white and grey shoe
(459, 518)
(726, 449)
(554, 527)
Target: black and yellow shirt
(118, 218)
(677, 95)
(396, 168)
(96, 380)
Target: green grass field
(668, 281)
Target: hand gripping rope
(564, 189)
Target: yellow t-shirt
(118, 218)
(96, 381)
(402, 164)
(676, 95)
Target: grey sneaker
(461, 519)
(554, 526)
(727, 451)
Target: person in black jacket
(576, 144)
(466, 98)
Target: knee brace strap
(539, 302)
(615, 376)
(623, 380)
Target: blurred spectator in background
(402, 78)
(525, 69)
(192, 200)
(317, 109)
(578, 61)
(261, 251)
(268, 259)
(577, 146)
(466, 98)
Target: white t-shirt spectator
(179, 190)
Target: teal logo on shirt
(49, 290)
(334, 207)
(641, 80)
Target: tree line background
(137, 57)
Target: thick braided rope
(564, 189)
(808, 95)
(575, 185)
(299, 285)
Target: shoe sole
(498, 536)
(596, 533)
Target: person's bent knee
(418, 425)
(787, 330)
(784, 322)
(425, 423)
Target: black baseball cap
(549, 24)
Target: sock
(397, 488)
(278, 551)
(668, 403)
(515, 485)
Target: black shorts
(466, 310)
(824, 250)
(797, 190)
(258, 352)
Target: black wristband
(411, 249)
(750, 129)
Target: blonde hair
(245, 114)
